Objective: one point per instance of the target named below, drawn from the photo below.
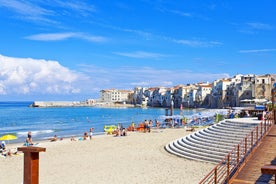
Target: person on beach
(91, 133)
(29, 141)
(55, 138)
(124, 132)
(146, 125)
(116, 132)
(132, 126)
(3, 146)
(150, 125)
(73, 139)
(157, 124)
(85, 136)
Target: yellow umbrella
(8, 137)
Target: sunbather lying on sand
(55, 138)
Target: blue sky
(70, 50)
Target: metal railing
(235, 159)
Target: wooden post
(228, 168)
(245, 146)
(257, 134)
(31, 163)
(238, 155)
(252, 139)
(273, 93)
(216, 175)
(261, 129)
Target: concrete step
(191, 155)
(232, 129)
(212, 147)
(221, 137)
(202, 148)
(209, 139)
(211, 144)
(231, 134)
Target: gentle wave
(34, 133)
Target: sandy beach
(135, 158)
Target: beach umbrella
(8, 137)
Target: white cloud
(197, 43)
(140, 54)
(177, 12)
(255, 27)
(24, 8)
(28, 76)
(46, 78)
(257, 50)
(260, 26)
(64, 36)
(46, 11)
(78, 6)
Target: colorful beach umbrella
(8, 137)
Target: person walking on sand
(91, 133)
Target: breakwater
(62, 104)
(78, 104)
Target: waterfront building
(218, 97)
(115, 95)
(222, 93)
(180, 91)
(263, 86)
(158, 97)
(202, 94)
(139, 96)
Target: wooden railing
(236, 158)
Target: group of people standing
(147, 125)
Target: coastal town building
(218, 97)
(240, 90)
(263, 86)
(139, 96)
(159, 97)
(115, 95)
(202, 94)
(180, 92)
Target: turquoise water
(17, 118)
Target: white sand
(136, 158)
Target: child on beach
(91, 133)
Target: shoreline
(135, 158)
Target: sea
(18, 118)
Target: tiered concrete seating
(213, 143)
